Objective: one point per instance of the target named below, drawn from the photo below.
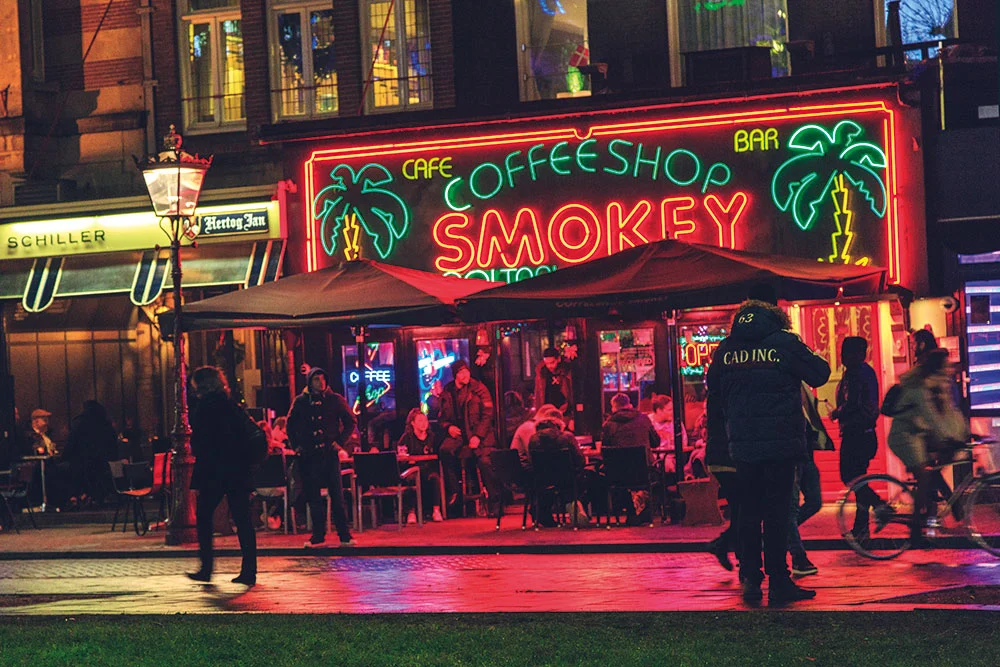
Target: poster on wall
(507, 201)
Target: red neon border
(571, 134)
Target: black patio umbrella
(358, 293)
(649, 279)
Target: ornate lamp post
(173, 180)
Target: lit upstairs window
(212, 79)
(552, 44)
(396, 55)
(303, 67)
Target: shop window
(552, 45)
(706, 25)
(380, 376)
(397, 54)
(627, 365)
(983, 330)
(434, 360)
(212, 76)
(697, 344)
(303, 69)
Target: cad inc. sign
(249, 222)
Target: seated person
(627, 427)
(279, 432)
(514, 413)
(527, 429)
(418, 439)
(551, 435)
(662, 418)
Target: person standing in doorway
(318, 422)
(554, 384)
(756, 376)
(856, 412)
(222, 467)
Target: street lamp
(174, 179)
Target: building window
(705, 25)
(212, 64)
(397, 54)
(552, 46)
(925, 21)
(303, 68)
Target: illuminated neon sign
(697, 351)
(508, 201)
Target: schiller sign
(506, 201)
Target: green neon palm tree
(382, 214)
(802, 183)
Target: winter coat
(219, 445)
(924, 416)
(755, 379)
(562, 377)
(521, 440)
(857, 401)
(474, 416)
(816, 435)
(630, 428)
(319, 421)
(91, 438)
(549, 436)
(717, 457)
(415, 445)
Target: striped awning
(144, 275)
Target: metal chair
(554, 473)
(467, 494)
(625, 469)
(271, 481)
(506, 468)
(16, 493)
(132, 482)
(378, 476)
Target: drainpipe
(145, 12)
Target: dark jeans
(239, 509)
(807, 484)
(856, 452)
(729, 486)
(764, 490)
(321, 470)
(454, 454)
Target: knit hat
(458, 365)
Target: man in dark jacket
(467, 420)
(554, 383)
(551, 436)
(755, 379)
(857, 412)
(627, 427)
(319, 420)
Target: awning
(143, 275)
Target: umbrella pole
(676, 388)
(360, 334)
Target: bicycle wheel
(982, 513)
(884, 531)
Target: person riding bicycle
(927, 426)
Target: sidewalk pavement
(941, 579)
(454, 536)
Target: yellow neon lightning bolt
(351, 230)
(842, 218)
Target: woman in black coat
(222, 468)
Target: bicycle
(974, 503)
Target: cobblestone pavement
(474, 583)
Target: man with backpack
(319, 420)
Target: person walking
(755, 381)
(857, 411)
(222, 467)
(807, 485)
(467, 419)
(721, 465)
(318, 421)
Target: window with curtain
(552, 46)
(303, 68)
(705, 25)
(397, 54)
(212, 78)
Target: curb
(459, 550)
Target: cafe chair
(15, 494)
(468, 495)
(625, 469)
(554, 477)
(506, 467)
(377, 476)
(271, 481)
(132, 482)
